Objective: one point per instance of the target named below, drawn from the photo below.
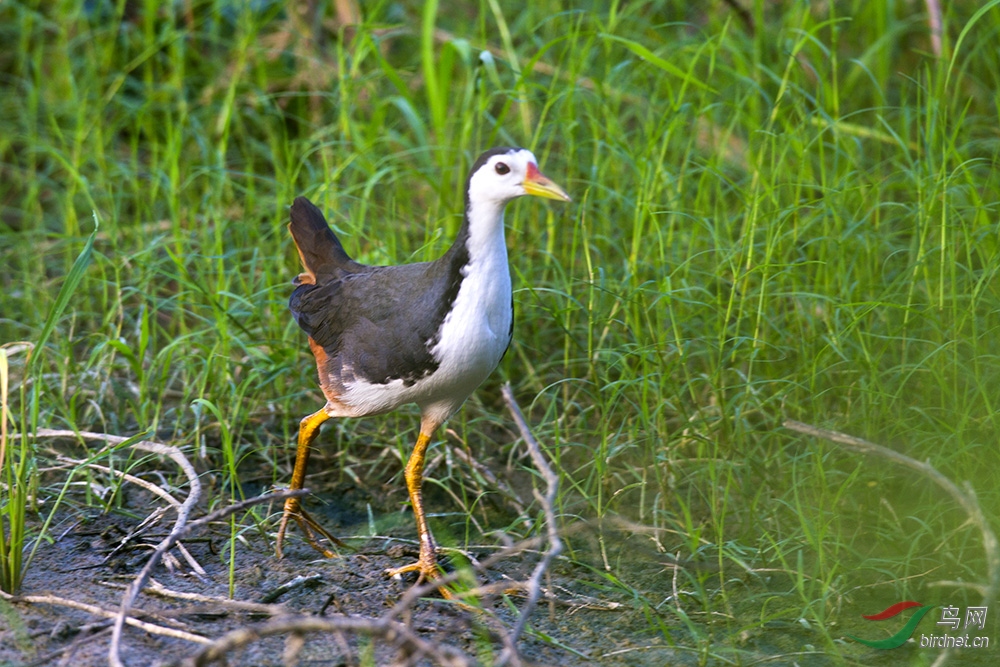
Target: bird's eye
(502, 168)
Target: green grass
(798, 221)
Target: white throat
(486, 243)
(476, 332)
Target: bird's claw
(427, 569)
(310, 527)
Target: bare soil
(655, 619)
(88, 563)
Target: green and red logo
(904, 633)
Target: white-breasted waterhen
(426, 333)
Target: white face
(502, 177)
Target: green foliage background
(787, 213)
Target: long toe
(427, 569)
(310, 528)
(291, 510)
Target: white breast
(476, 332)
(471, 340)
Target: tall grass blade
(16, 470)
(64, 296)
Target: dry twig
(183, 511)
(548, 506)
(935, 25)
(138, 481)
(289, 586)
(181, 524)
(389, 627)
(179, 531)
(383, 627)
(151, 628)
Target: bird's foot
(427, 569)
(310, 528)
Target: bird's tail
(319, 248)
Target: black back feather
(376, 323)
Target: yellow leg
(308, 429)
(426, 563)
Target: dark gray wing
(380, 322)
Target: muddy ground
(589, 621)
(87, 563)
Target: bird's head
(502, 174)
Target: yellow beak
(537, 184)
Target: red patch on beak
(533, 173)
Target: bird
(427, 333)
